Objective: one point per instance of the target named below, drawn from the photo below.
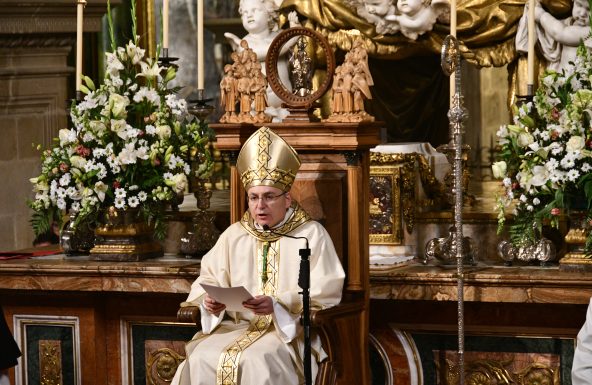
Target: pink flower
(82, 151)
(555, 211)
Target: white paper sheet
(232, 297)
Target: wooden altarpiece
(332, 185)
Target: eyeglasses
(265, 198)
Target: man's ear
(288, 200)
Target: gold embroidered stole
(228, 364)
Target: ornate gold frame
(385, 209)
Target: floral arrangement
(545, 160)
(130, 146)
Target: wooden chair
(326, 324)
(332, 185)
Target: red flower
(116, 184)
(555, 211)
(64, 167)
(82, 151)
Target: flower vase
(203, 234)
(575, 258)
(124, 235)
(76, 240)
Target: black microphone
(270, 230)
(304, 283)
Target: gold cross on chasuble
(268, 258)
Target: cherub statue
(558, 39)
(416, 17)
(375, 12)
(351, 86)
(410, 17)
(260, 19)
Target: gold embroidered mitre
(267, 160)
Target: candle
(200, 44)
(453, 33)
(165, 24)
(531, 41)
(79, 27)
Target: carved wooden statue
(351, 86)
(228, 95)
(244, 82)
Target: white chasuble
(240, 347)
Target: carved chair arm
(322, 317)
(318, 318)
(189, 314)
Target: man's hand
(212, 306)
(260, 305)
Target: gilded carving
(486, 32)
(50, 362)
(162, 365)
(499, 372)
(385, 205)
(405, 189)
(537, 374)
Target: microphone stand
(304, 283)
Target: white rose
(163, 132)
(117, 105)
(575, 143)
(499, 169)
(180, 182)
(97, 126)
(119, 126)
(77, 161)
(66, 136)
(525, 139)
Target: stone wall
(36, 38)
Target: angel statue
(409, 17)
(558, 39)
(260, 20)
